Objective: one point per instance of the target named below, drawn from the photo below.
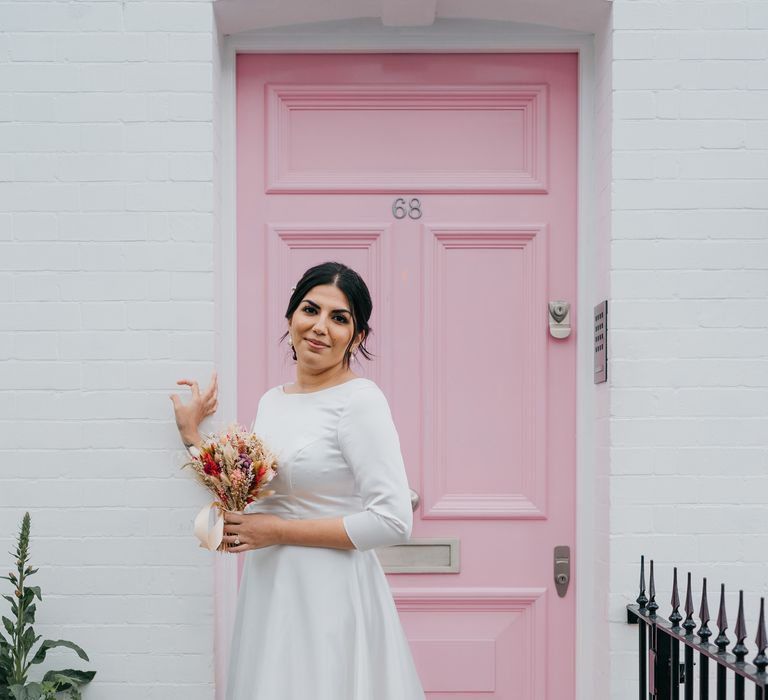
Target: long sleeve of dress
(371, 446)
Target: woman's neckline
(317, 391)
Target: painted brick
(32, 46)
(644, 45)
(168, 16)
(679, 134)
(186, 167)
(103, 315)
(60, 17)
(167, 256)
(635, 104)
(6, 223)
(101, 256)
(639, 14)
(190, 227)
(725, 224)
(36, 256)
(721, 43)
(190, 107)
(690, 254)
(174, 315)
(105, 47)
(190, 47)
(75, 83)
(102, 196)
(695, 14)
(175, 196)
(35, 226)
(96, 226)
(98, 107)
(192, 285)
(647, 74)
(36, 287)
(711, 104)
(6, 287)
(757, 14)
(174, 77)
(38, 138)
(101, 137)
(676, 373)
(5, 108)
(192, 346)
(168, 137)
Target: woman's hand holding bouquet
(235, 466)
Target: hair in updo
(356, 291)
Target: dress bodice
(338, 454)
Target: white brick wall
(689, 278)
(106, 298)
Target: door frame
(445, 36)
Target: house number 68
(412, 210)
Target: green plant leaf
(30, 691)
(29, 614)
(14, 606)
(36, 591)
(28, 639)
(50, 644)
(69, 678)
(8, 626)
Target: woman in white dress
(315, 615)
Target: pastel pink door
(449, 183)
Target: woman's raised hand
(190, 415)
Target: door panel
(482, 395)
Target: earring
(290, 341)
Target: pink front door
(449, 183)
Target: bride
(315, 616)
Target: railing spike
(722, 640)
(675, 617)
(739, 649)
(761, 660)
(653, 606)
(641, 600)
(704, 632)
(689, 625)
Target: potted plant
(18, 639)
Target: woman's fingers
(213, 386)
(191, 383)
(239, 548)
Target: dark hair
(356, 291)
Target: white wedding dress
(317, 623)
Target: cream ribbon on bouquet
(210, 536)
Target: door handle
(562, 569)
(559, 319)
(415, 500)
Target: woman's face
(321, 327)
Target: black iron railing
(660, 639)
